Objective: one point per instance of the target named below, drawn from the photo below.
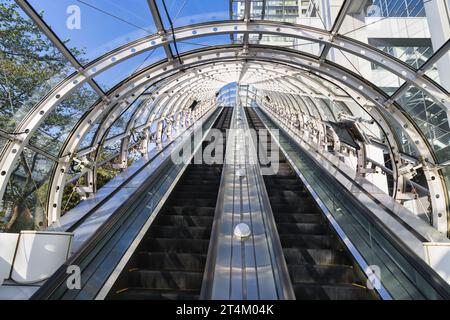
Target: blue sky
(124, 21)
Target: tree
(29, 67)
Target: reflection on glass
(144, 115)
(375, 73)
(109, 78)
(430, 117)
(2, 143)
(121, 123)
(410, 30)
(186, 12)
(24, 202)
(52, 133)
(201, 43)
(284, 42)
(318, 14)
(104, 25)
(89, 136)
(439, 72)
(30, 66)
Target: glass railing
(100, 255)
(403, 274)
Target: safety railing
(402, 273)
(99, 256)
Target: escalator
(170, 260)
(319, 265)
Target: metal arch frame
(112, 111)
(42, 109)
(151, 106)
(249, 26)
(320, 88)
(156, 100)
(301, 83)
(355, 87)
(96, 144)
(151, 74)
(121, 94)
(287, 83)
(379, 101)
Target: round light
(242, 231)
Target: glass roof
(103, 24)
(395, 51)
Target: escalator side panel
(319, 265)
(170, 260)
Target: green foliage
(30, 66)
(28, 61)
(105, 174)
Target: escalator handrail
(59, 278)
(425, 271)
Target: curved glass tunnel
(105, 106)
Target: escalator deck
(319, 266)
(170, 260)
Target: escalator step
(189, 188)
(195, 195)
(307, 206)
(214, 183)
(176, 232)
(156, 279)
(319, 267)
(148, 294)
(298, 218)
(289, 194)
(331, 292)
(308, 241)
(305, 273)
(176, 245)
(192, 202)
(315, 256)
(302, 228)
(185, 221)
(190, 210)
(291, 200)
(171, 261)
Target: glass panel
(324, 108)
(410, 30)
(52, 133)
(430, 117)
(285, 42)
(329, 85)
(23, 206)
(123, 70)
(401, 276)
(200, 43)
(439, 72)
(2, 143)
(89, 136)
(109, 151)
(188, 12)
(91, 28)
(145, 114)
(30, 66)
(121, 123)
(318, 14)
(373, 72)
